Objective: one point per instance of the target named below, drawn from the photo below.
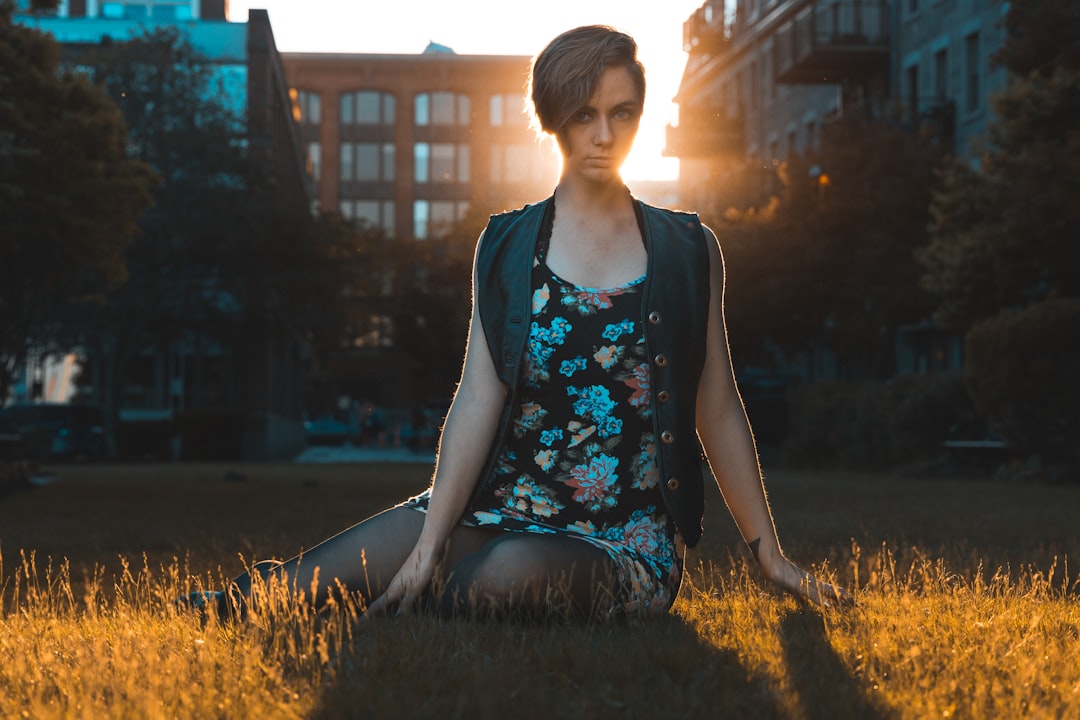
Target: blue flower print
(530, 419)
(546, 459)
(484, 517)
(643, 464)
(614, 331)
(548, 437)
(569, 367)
(609, 355)
(596, 484)
(595, 403)
(585, 527)
(532, 499)
(542, 343)
(540, 299)
(586, 300)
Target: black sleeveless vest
(675, 309)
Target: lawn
(967, 607)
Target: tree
(69, 196)
(1004, 236)
(1002, 262)
(830, 262)
(229, 261)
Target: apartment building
(408, 143)
(764, 76)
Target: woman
(569, 475)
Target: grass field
(968, 607)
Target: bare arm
(466, 438)
(729, 446)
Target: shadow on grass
(823, 684)
(423, 667)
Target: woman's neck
(572, 196)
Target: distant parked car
(52, 430)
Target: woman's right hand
(405, 588)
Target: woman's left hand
(788, 576)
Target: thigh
(365, 557)
(533, 573)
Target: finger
(383, 603)
(406, 605)
(376, 607)
(828, 595)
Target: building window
(507, 111)
(307, 106)
(313, 160)
(941, 75)
(442, 108)
(367, 162)
(811, 135)
(368, 107)
(153, 9)
(516, 164)
(370, 212)
(913, 89)
(434, 218)
(441, 162)
(973, 79)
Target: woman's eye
(583, 117)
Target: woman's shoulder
(682, 223)
(522, 223)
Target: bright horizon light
(497, 27)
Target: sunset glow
(496, 27)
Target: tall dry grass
(962, 611)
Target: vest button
(666, 437)
(663, 396)
(660, 360)
(654, 317)
(673, 484)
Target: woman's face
(597, 139)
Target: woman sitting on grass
(569, 477)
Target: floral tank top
(580, 454)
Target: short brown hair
(567, 72)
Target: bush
(14, 476)
(1021, 369)
(836, 424)
(145, 439)
(873, 426)
(212, 434)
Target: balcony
(704, 32)
(704, 133)
(829, 42)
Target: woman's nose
(603, 132)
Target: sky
(498, 27)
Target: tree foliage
(1004, 236)
(69, 195)
(1004, 256)
(829, 261)
(229, 260)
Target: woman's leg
(534, 576)
(363, 558)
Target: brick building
(408, 143)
